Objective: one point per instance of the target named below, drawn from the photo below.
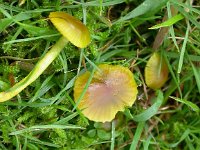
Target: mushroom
(111, 90)
(156, 71)
(72, 30)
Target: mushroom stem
(39, 68)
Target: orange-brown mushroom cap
(71, 28)
(112, 89)
(156, 71)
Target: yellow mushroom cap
(71, 28)
(112, 89)
(156, 71)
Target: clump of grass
(43, 115)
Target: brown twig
(163, 31)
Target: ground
(123, 32)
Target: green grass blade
(94, 68)
(169, 22)
(26, 104)
(16, 139)
(147, 142)
(150, 112)
(91, 63)
(173, 76)
(46, 86)
(37, 141)
(110, 54)
(180, 64)
(84, 90)
(66, 119)
(104, 3)
(5, 13)
(193, 106)
(197, 75)
(64, 62)
(45, 127)
(68, 86)
(113, 136)
(175, 55)
(171, 29)
(13, 38)
(184, 135)
(31, 39)
(187, 15)
(4, 23)
(185, 6)
(137, 135)
(190, 144)
(79, 111)
(36, 31)
(144, 8)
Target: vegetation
(123, 32)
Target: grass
(44, 115)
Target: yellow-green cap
(111, 90)
(156, 71)
(71, 28)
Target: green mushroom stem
(43, 63)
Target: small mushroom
(72, 30)
(111, 90)
(156, 71)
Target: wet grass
(45, 116)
